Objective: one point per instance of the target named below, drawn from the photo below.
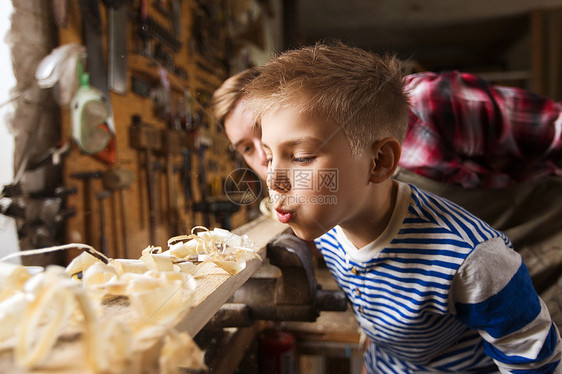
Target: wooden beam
(537, 51)
(553, 39)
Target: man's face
(246, 139)
(314, 181)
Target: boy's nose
(260, 154)
(278, 179)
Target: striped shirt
(442, 291)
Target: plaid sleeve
(462, 130)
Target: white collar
(373, 249)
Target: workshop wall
(164, 169)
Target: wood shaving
(36, 310)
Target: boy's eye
(303, 160)
(246, 149)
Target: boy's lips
(284, 216)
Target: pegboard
(179, 58)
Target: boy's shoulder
(434, 210)
(420, 216)
(429, 205)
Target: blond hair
(361, 92)
(230, 92)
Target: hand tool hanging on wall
(102, 196)
(11, 206)
(163, 35)
(86, 177)
(14, 188)
(39, 225)
(171, 11)
(187, 126)
(93, 32)
(118, 180)
(117, 45)
(60, 12)
(186, 183)
(171, 146)
(158, 41)
(149, 29)
(135, 140)
(144, 137)
(89, 111)
(203, 205)
(175, 141)
(58, 224)
(158, 185)
(223, 209)
(57, 70)
(144, 47)
(176, 17)
(52, 156)
(43, 213)
(61, 192)
(115, 225)
(185, 105)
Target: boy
(434, 288)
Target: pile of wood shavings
(36, 310)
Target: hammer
(101, 196)
(118, 179)
(86, 178)
(145, 138)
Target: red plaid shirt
(464, 131)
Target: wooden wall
(546, 52)
(202, 57)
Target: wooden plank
(214, 286)
(214, 290)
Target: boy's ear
(385, 156)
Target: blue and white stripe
(417, 299)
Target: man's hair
(361, 92)
(230, 92)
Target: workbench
(332, 343)
(213, 290)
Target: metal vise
(284, 288)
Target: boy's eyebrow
(307, 140)
(294, 142)
(238, 143)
